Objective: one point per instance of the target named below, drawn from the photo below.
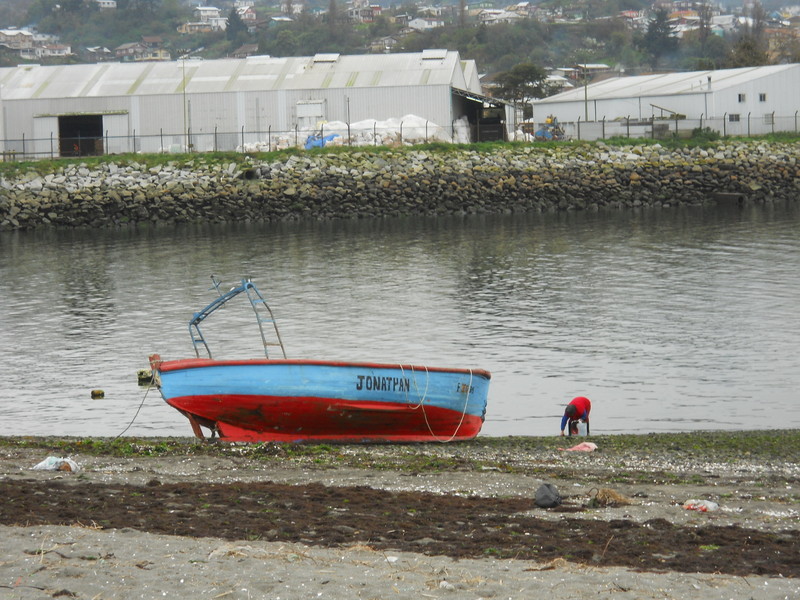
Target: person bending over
(577, 410)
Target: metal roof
(328, 71)
(666, 84)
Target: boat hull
(297, 400)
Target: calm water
(668, 320)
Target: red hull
(276, 419)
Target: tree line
(515, 55)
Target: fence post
(701, 121)
(375, 133)
(105, 143)
(628, 127)
(215, 138)
(161, 137)
(724, 124)
(603, 128)
(748, 124)
(773, 121)
(401, 133)
(426, 131)
(23, 143)
(676, 125)
(295, 135)
(579, 128)
(51, 145)
(269, 138)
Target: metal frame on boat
(281, 399)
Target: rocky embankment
(398, 182)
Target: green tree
(139, 6)
(750, 47)
(698, 54)
(747, 52)
(658, 41)
(521, 84)
(236, 30)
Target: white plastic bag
(53, 463)
(701, 505)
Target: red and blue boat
(300, 400)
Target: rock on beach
(399, 182)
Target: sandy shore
(81, 558)
(80, 562)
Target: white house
(246, 13)
(495, 16)
(420, 24)
(206, 13)
(46, 51)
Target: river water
(669, 320)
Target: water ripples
(670, 320)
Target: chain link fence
(663, 128)
(377, 134)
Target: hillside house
(16, 39)
(494, 16)
(46, 51)
(247, 14)
(425, 24)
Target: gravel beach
(174, 518)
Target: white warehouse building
(228, 104)
(742, 101)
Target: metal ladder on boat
(264, 316)
(260, 308)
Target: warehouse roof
(666, 84)
(323, 71)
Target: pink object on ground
(582, 447)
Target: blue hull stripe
(361, 383)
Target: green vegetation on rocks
(362, 183)
(721, 447)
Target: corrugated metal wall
(214, 121)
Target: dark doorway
(491, 124)
(80, 135)
(486, 115)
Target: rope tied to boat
(423, 397)
(141, 404)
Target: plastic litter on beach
(547, 496)
(582, 447)
(53, 463)
(701, 505)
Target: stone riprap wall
(400, 182)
